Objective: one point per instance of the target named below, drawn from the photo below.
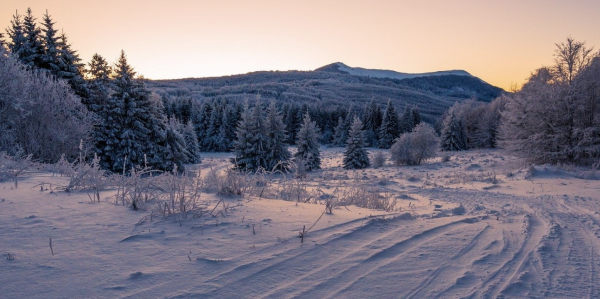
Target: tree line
(54, 107)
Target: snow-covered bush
(89, 177)
(415, 147)
(379, 159)
(40, 115)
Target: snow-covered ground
(526, 232)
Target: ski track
(542, 247)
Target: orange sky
(499, 41)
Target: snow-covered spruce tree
(227, 132)
(135, 132)
(372, 118)
(175, 146)
(71, 68)
(98, 74)
(33, 48)
(202, 123)
(407, 121)
(191, 143)
(339, 133)
(308, 145)
(454, 135)
(251, 146)
(389, 129)
(355, 156)
(278, 156)
(416, 116)
(51, 58)
(215, 123)
(17, 39)
(40, 115)
(415, 147)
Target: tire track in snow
(457, 261)
(506, 274)
(333, 285)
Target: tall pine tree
(308, 145)
(251, 146)
(389, 130)
(355, 156)
(372, 122)
(454, 135)
(278, 156)
(134, 133)
(16, 34)
(51, 59)
(71, 68)
(33, 48)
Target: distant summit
(339, 67)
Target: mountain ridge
(340, 67)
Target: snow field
(526, 232)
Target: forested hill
(432, 93)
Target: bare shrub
(232, 183)
(180, 194)
(13, 166)
(364, 196)
(88, 177)
(136, 189)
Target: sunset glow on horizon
(501, 42)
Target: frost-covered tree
(454, 134)
(372, 118)
(554, 118)
(191, 142)
(17, 39)
(175, 145)
(340, 133)
(70, 67)
(98, 74)
(355, 156)
(215, 123)
(135, 131)
(407, 121)
(308, 145)
(278, 156)
(415, 147)
(251, 147)
(33, 50)
(39, 115)
(202, 123)
(51, 59)
(389, 129)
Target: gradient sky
(499, 41)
